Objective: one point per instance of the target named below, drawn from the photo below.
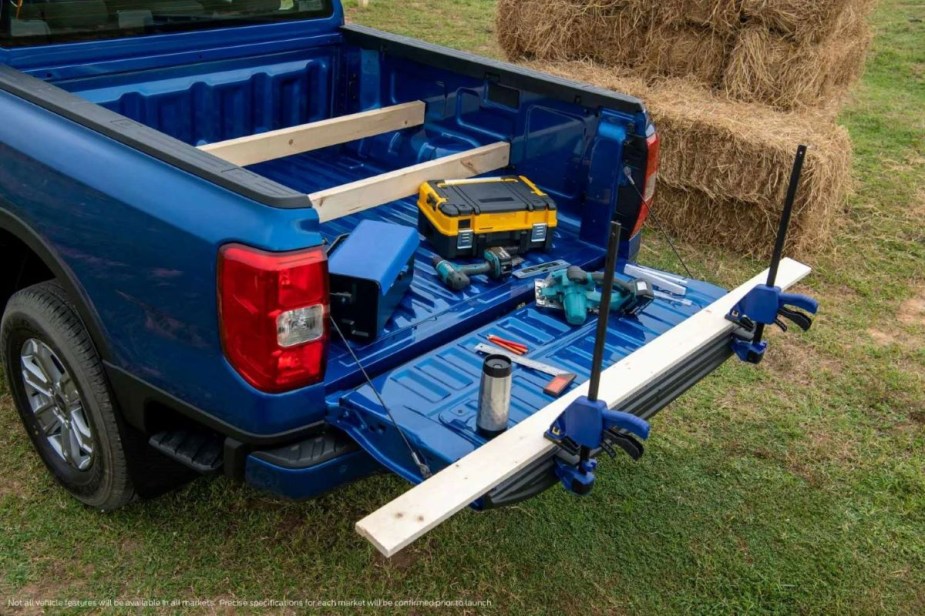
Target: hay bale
(789, 54)
(613, 33)
(720, 16)
(695, 217)
(766, 68)
(542, 29)
(692, 52)
(806, 21)
(604, 30)
(726, 165)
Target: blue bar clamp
(767, 304)
(588, 426)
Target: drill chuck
(450, 275)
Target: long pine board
(425, 506)
(307, 137)
(375, 191)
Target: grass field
(797, 487)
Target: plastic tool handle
(626, 421)
(803, 302)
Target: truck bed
(426, 370)
(431, 313)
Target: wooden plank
(422, 508)
(307, 137)
(375, 191)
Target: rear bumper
(309, 468)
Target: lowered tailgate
(434, 398)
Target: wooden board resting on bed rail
(307, 137)
(430, 503)
(375, 191)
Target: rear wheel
(59, 387)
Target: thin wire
(658, 225)
(419, 460)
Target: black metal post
(784, 227)
(610, 269)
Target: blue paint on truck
(102, 183)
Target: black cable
(661, 229)
(418, 459)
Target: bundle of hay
(733, 85)
(697, 53)
(768, 66)
(785, 53)
(726, 165)
(605, 30)
(683, 38)
(804, 21)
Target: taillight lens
(653, 144)
(273, 311)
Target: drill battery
(462, 218)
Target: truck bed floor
(430, 314)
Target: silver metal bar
(656, 279)
(488, 349)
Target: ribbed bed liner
(430, 314)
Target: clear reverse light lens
(295, 327)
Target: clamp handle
(626, 421)
(803, 302)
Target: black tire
(45, 313)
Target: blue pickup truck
(150, 249)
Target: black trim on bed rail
(152, 142)
(502, 73)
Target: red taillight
(273, 309)
(648, 190)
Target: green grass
(798, 486)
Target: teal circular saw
(578, 293)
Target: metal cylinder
(494, 396)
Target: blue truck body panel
(139, 234)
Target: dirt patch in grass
(795, 362)
(912, 311)
(53, 585)
(882, 338)
(10, 487)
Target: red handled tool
(510, 345)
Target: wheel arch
(32, 261)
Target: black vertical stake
(610, 269)
(784, 227)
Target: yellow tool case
(462, 218)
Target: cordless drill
(498, 265)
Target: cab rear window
(32, 22)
